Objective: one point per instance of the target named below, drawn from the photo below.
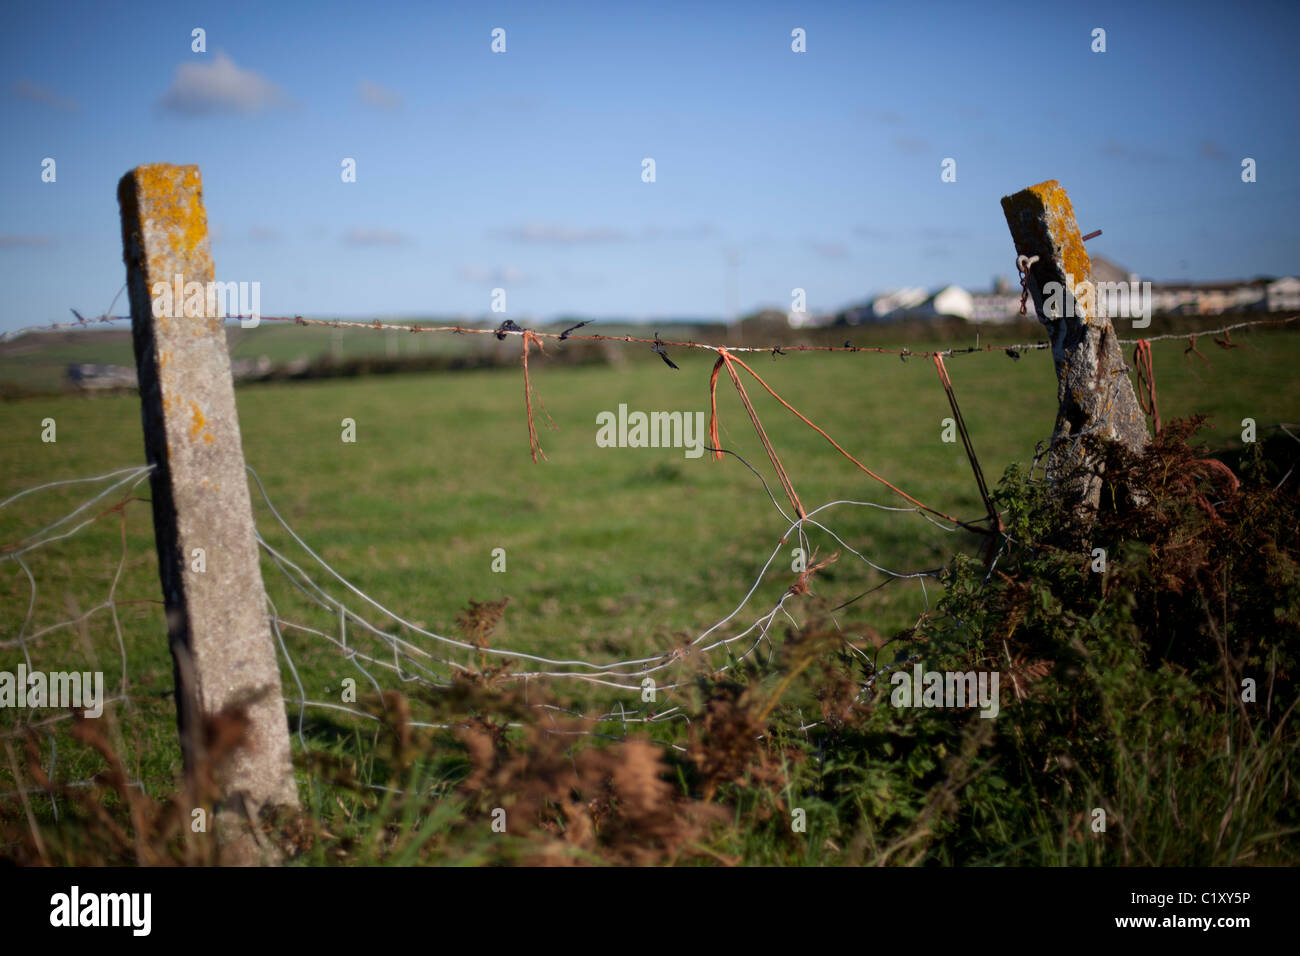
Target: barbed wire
(405, 650)
(410, 652)
(509, 328)
(355, 623)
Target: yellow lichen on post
(1045, 211)
(175, 196)
(216, 617)
(1095, 396)
(1059, 215)
(198, 424)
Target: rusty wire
(378, 325)
(409, 652)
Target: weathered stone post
(1094, 395)
(221, 643)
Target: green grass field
(611, 553)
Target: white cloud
(551, 233)
(10, 241)
(829, 250)
(1209, 149)
(378, 236)
(199, 89)
(912, 144)
(884, 117)
(697, 231)
(1133, 153)
(372, 94)
(33, 93)
(496, 275)
(559, 234)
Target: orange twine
(533, 442)
(1193, 350)
(726, 357)
(1147, 380)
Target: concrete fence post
(222, 648)
(1094, 394)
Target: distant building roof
(1221, 285)
(1103, 270)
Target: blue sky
(818, 170)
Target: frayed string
(725, 357)
(1146, 382)
(533, 442)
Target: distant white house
(807, 320)
(1002, 304)
(1283, 295)
(892, 305)
(1118, 291)
(915, 302)
(951, 301)
(1211, 298)
(999, 307)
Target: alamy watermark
(208, 300)
(653, 430)
(946, 689)
(1127, 300)
(59, 689)
(75, 908)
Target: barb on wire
(573, 328)
(1226, 342)
(509, 327)
(663, 354)
(500, 331)
(1226, 329)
